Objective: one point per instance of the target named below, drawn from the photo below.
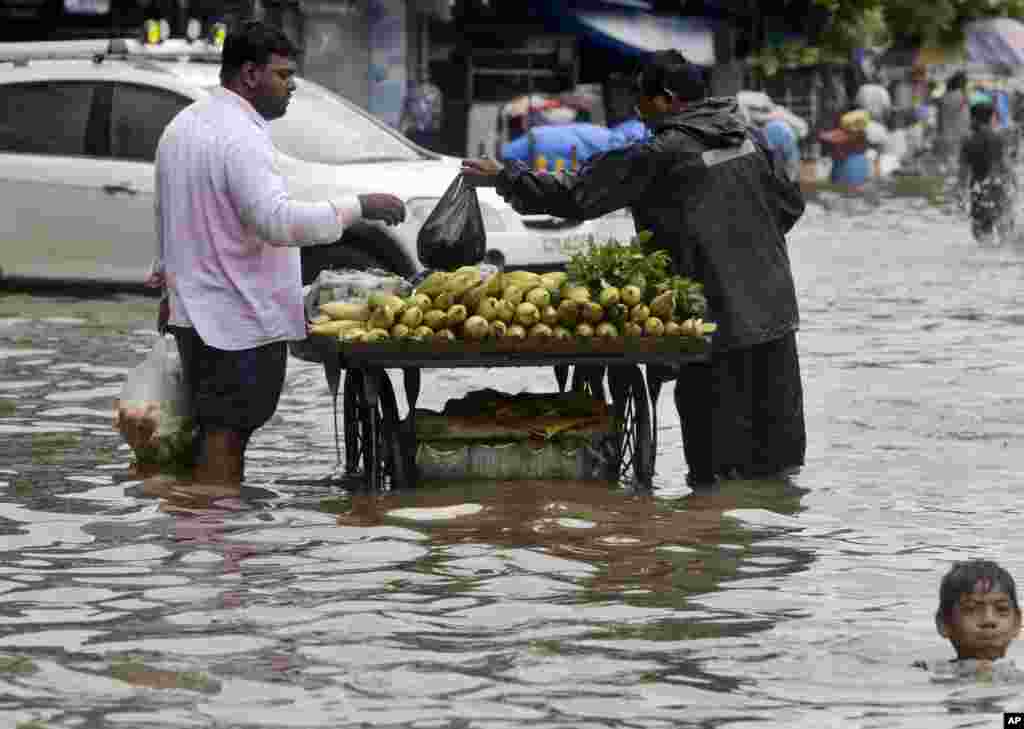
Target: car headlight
(418, 209)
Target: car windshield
(322, 127)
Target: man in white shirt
(228, 236)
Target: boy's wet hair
(669, 71)
(977, 575)
(253, 41)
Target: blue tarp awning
(995, 42)
(638, 33)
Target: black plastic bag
(453, 234)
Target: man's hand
(481, 172)
(158, 280)
(382, 206)
(136, 425)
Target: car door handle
(122, 189)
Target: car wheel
(337, 256)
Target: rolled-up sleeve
(259, 193)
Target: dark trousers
(236, 390)
(991, 208)
(742, 414)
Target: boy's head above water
(978, 610)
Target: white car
(79, 125)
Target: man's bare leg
(222, 459)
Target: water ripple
(785, 603)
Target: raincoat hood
(714, 121)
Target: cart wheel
(589, 379)
(384, 453)
(632, 422)
(353, 416)
(561, 376)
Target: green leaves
(614, 263)
(875, 23)
(940, 22)
(689, 296)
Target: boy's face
(982, 624)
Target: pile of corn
(465, 305)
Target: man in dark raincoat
(714, 196)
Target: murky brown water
(766, 604)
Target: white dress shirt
(227, 230)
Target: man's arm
(156, 271)
(157, 279)
(610, 181)
(263, 202)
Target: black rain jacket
(714, 196)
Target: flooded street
(783, 604)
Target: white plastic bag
(154, 414)
(352, 285)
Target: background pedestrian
(953, 121)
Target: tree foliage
(854, 23)
(863, 23)
(848, 24)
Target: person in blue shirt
(847, 145)
(557, 141)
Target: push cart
(385, 446)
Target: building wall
(368, 50)
(388, 33)
(337, 45)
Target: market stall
(617, 317)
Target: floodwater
(782, 604)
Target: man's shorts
(231, 390)
(991, 206)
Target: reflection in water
(199, 512)
(647, 549)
